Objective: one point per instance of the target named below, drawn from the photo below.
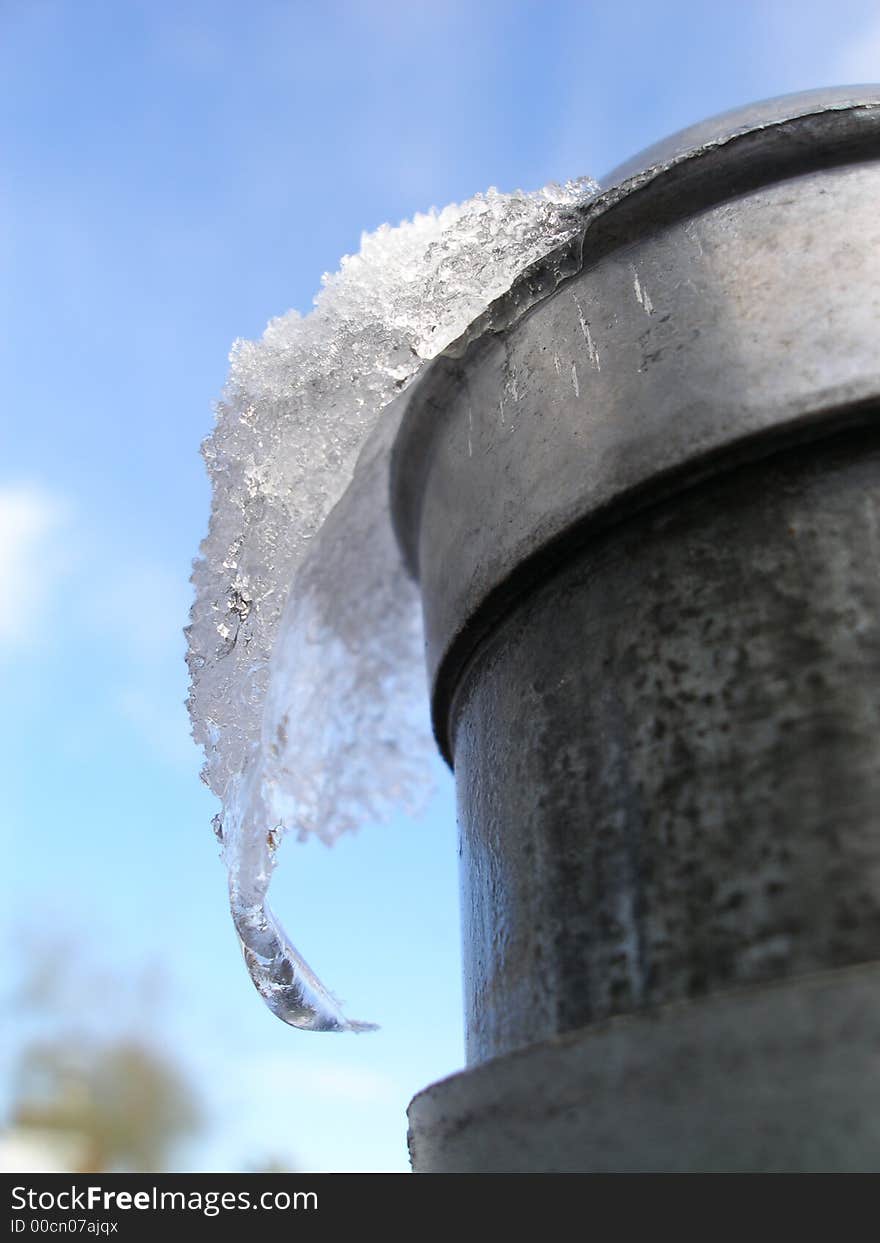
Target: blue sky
(175, 174)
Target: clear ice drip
(305, 645)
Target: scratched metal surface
(642, 499)
(667, 758)
(780, 1079)
(710, 314)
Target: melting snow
(305, 646)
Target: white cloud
(33, 1150)
(322, 1081)
(339, 1116)
(31, 559)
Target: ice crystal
(305, 646)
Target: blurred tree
(271, 1165)
(116, 1100)
(126, 1104)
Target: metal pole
(645, 516)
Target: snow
(305, 645)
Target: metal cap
(714, 131)
(723, 298)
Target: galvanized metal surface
(779, 1079)
(706, 319)
(642, 497)
(748, 119)
(667, 758)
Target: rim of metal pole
(724, 160)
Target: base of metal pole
(783, 1078)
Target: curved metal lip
(826, 422)
(693, 139)
(704, 164)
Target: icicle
(305, 650)
(282, 977)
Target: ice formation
(305, 647)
